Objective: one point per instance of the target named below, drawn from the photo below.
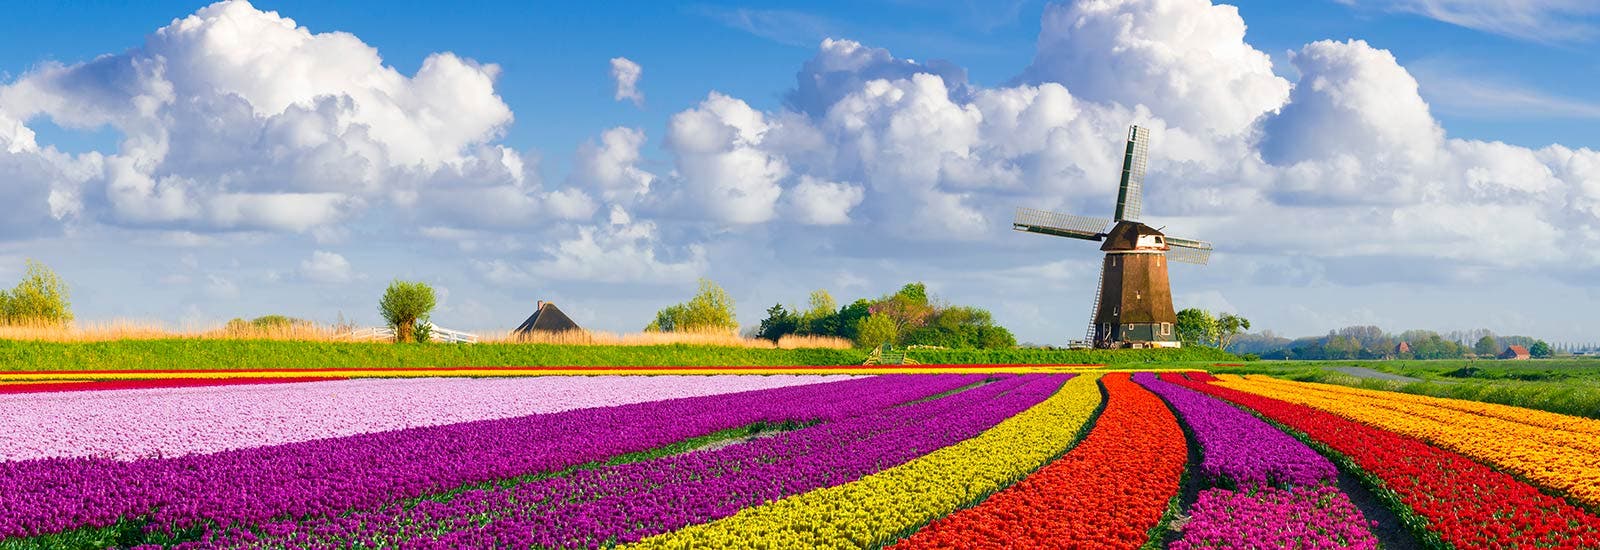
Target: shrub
(710, 310)
(40, 298)
(876, 329)
(405, 306)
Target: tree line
(907, 317)
(1371, 342)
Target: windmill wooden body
(1133, 304)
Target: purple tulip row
(1270, 490)
(1236, 447)
(624, 503)
(326, 477)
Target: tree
(907, 310)
(875, 330)
(850, 317)
(1342, 347)
(1486, 346)
(1196, 327)
(779, 323)
(916, 292)
(1229, 326)
(406, 306)
(822, 318)
(710, 310)
(41, 297)
(1540, 349)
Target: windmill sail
(1060, 225)
(1188, 250)
(1130, 193)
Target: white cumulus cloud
(626, 74)
(327, 267)
(234, 118)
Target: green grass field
(188, 354)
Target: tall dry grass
(725, 339)
(312, 332)
(122, 329)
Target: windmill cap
(1125, 236)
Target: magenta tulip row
(625, 503)
(326, 477)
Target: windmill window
(1166, 329)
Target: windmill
(1133, 302)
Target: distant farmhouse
(1515, 352)
(546, 318)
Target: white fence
(439, 334)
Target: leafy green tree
(1196, 327)
(961, 327)
(916, 292)
(1342, 347)
(995, 337)
(1486, 346)
(710, 310)
(875, 330)
(406, 306)
(1540, 349)
(41, 297)
(779, 323)
(822, 317)
(666, 320)
(1229, 327)
(850, 316)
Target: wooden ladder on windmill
(1094, 310)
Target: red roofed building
(1515, 352)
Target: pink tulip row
(188, 421)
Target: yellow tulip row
(1532, 417)
(1552, 458)
(880, 507)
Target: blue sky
(1480, 78)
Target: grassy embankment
(187, 354)
(1567, 385)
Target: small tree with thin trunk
(1229, 327)
(404, 305)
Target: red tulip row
(1108, 492)
(1466, 504)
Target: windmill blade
(1130, 193)
(1188, 251)
(1060, 225)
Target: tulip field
(775, 457)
